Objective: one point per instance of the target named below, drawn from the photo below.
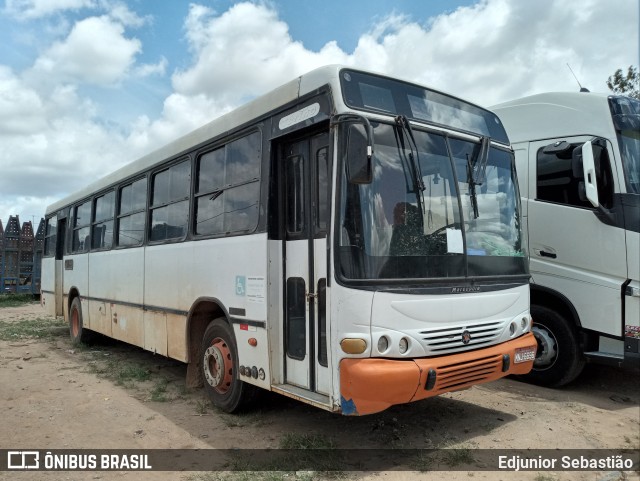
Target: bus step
(607, 358)
(314, 398)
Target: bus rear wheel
(559, 358)
(219, 355)
(79, 334)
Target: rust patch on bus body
(369, 385)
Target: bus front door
(306, 199)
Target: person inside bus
(408, 237)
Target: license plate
(525, 354)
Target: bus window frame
(166, 166)
(94, 200)
(118, 214)
(223, 143)
(74, 227)
(47, 238)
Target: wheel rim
(218, 365)
(547, 352)
(75, 322)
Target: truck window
(558, 181)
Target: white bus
(578, 161)
(349, 240)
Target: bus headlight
(383, 344)
(524, 322)
(403, 345)
(512, 328)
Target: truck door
(572, 250)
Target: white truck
(578, 163)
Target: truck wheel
(219, 356)
(559, 358)
(79, 334)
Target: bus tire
(79, 334)
(219, 356)
(559, 359)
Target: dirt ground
(110, 395)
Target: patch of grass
(15, 300)
(253, 419)
(306, 441)
(424, 462)
(310, 464)
(41, 328)
(202, 407)
(456, 456)
(122, 373)
(159, 391)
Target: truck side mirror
(359, 166)
(589, 169)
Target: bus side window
(170, 202)
(50, 236)
(102, 230)
(81, 227)
(131, 220)
(228, 187)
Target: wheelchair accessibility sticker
(241, 285)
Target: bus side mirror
(589, 169)
(359, 166)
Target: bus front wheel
(219, 355)
(76, 326)
(559, 358)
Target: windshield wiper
(414, 162)
(476, 170)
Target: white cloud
(148, 69)
(20, 106)
(29, 9)
(95, 52)
(243, 52)
(501, 49)
(121, 13)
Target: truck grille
(437, 340)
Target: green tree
(628, 84)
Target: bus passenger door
(306, 180)
(59, 267)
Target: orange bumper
(371, 385)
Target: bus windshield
(449, 225)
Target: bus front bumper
(372, 385)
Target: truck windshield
(393, 229)
(626, 119)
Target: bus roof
(555, 114)
(280, 96)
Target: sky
(87, 86)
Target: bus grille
(446, 339)
(457, 376)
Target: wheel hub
(218, 366)
(547, 348)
